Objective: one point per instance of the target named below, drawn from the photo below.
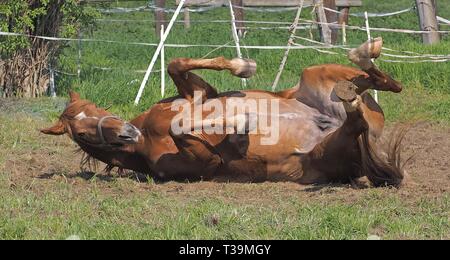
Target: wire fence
(303, 24)
(151, 8)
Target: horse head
(88, 125)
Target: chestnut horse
(328, 128)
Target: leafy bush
(24, 60)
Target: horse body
(324, 135)
(177, 157)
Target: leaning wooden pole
(163, 66)
(290, 42)
(428, 21)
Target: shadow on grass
(90, 176)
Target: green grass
(43, 197)
(60, 214)
(119, 87)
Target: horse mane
(90, 163)
(387, 170)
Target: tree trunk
(25, 74)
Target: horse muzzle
(130, 134)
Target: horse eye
(81, 134)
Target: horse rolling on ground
(328, 128)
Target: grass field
(44, 194)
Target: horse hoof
(346, 91)
(375, 46)
(362, 55)
(243, 68)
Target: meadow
(45, 195)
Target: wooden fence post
(160, 16)
(331, 18)
(343, 16)
(238, 7)
(344, 33)
(187, 18)
(428, 21)
(325, 30)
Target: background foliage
(24, 59)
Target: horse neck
(125, 158)
(139, 121)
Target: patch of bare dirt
(429, 169)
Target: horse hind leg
(349, 153)
(337, 157)
(188, 83)
(380, 171)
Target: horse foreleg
(196, 151)
(188, 83)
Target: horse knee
(176, 66)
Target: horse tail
(387, 171)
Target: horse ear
(57, 129)
(74, 96)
